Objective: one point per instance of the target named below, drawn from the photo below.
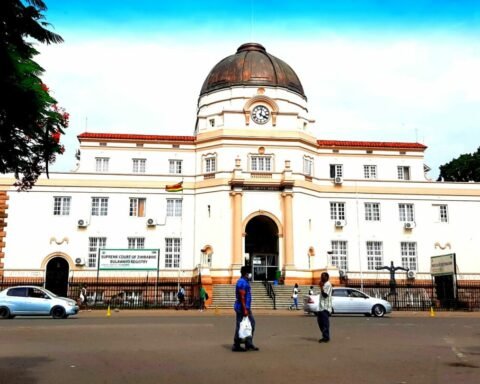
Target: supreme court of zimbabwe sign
(128, 259)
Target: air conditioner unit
(411, 274)
(151, 222)
(338, 180)
(342, 273)
(82, 223)
(79, 261)
(340, 223)
(409, 224)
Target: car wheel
(378, 310)
(4, 313)
(58, 312)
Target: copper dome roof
(252, 65)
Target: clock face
(260, 114)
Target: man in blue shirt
(242, 308)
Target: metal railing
(270, 292)
(124, 293)
(418, 296)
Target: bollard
(109, 313)
(432, 312)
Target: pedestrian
(324, 307)
(295, 297)
(203, 298)
(82, 299)
(181, 298)
(310, 291)
(243, 309)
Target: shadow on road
(19, 370)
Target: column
(288, 228)
(237, 229)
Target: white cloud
(357, 89)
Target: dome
(253, 66)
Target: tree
(31, 122)
(464, 168)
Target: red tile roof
(370, 144)
(127, 136)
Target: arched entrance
(56, 279)
(261, 244)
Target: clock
(260, 114)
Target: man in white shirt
(324, 307)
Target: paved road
(183, 347)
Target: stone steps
(224, 296)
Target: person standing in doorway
(310, 291)
(324, 307)
(295, 297)
(242, 309)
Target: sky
(374, 70)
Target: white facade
(234, 171)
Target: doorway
(261, 244)
(56, 278)
(445, 287)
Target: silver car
(350, 300)
(34, 301)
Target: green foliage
(30, 120)
(464, 168)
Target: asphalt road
(195, 347)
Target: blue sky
(372, 70)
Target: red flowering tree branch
(31, 122)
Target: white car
(34, 301)
(350, 300)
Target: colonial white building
(257, 189)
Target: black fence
(123, 293)
(423, 295)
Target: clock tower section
(252, 92)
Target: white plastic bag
(245, 329)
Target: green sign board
(128, 259)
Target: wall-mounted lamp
(208, 208)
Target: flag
(174, 187)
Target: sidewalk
(258, 312)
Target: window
(409, 255)
(372, 211)
(337, 211)
(136, 243)
(94, 244)
(374, 254)
(174, 207)
(261, 163)
(339, 254)
(139, 165)
(175, 166)
(99, 206)
(210, 164)
(172, 253)
(308, 166)
(137, 206)
(61, 205)
(403, 173)
(101, 164)
(442, 213)
(370, 171)
(336, 170)
(406, 212)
